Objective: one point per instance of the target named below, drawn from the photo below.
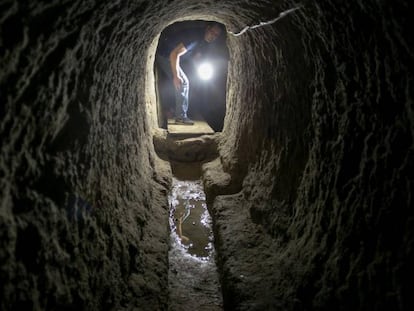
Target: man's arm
(175, 64)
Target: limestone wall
(324, 129)
(83, 213)
(315, 156)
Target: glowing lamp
(205, 71)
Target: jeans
(181, 95)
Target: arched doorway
(207, 98)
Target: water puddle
(189, 218)
(193, 278)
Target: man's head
(213, 31)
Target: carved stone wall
(311, 191)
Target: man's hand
(177, 83)
(175, 64)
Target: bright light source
(205, 71)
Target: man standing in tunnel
(171, 48)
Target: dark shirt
(192, 39)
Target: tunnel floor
(193, 278)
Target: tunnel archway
(207, 98)
(313, 176)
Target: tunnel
(309, 183)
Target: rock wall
(312, 189)
(319, 142)
(84, 216)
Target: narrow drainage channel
(193, 279)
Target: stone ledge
(194, 149)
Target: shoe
(185, 121)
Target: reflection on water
(189, 218)
(193, 282)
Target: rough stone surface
(196, 149)
(216, 181)
(315, 158)
(84, 213)
(323, 146)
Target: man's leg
(181, 97)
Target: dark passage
(308, 176)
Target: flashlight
(205, 71)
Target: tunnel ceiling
(311, 191)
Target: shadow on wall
(207, 98)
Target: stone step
(199, 128)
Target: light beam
(205, 71)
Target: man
(171, 48)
